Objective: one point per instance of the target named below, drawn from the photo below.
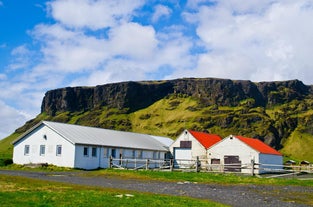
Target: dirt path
(234, 195)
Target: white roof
(84, 135)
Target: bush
(6, 161)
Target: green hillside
(169, 116)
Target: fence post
(110, 162)
(171, 164)
(252, 167)
(197, 164)
(147, 164)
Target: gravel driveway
(233, 195)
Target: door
(182, 157)
(182, 153)
(232, 163)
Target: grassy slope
(169, 116)
(299, 146)
(6, 147)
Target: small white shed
(240, 151)
(192, 144)
(75, 146)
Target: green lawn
(202, 177)
(17, 191)
(175, 176)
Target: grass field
(17, 191)
(175, 176)
(202, 177)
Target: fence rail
(203, 165)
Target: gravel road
(233, 195)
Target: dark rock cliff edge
(138, 95)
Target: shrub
(6, 161)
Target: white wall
(233, 147)
(35, 139)
(197, 149)
(71, 155)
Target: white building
(238, 151)
(84, 147)
(192, 144)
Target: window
(113, 153)
(105, 152)
(42, 150)
(86, 151)
(139, 154)
(94, 152)
(215, 161)
(156, 155)
(59, 150)
(26, 150)
(185, 144)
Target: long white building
(84, 147)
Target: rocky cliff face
(138, 95)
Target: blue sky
(51, 44)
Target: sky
(46, 45)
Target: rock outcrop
(137, 95)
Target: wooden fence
(201, 165)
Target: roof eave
(26, 133)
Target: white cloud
(21, 58)
(68, 51)
(258, 40)
(161, 11)
(133, 40)
(92, 14)
(10, 119)
(3, 76)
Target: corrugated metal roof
(258, 145)
(207, 140)
(164, 140)
(84, 135)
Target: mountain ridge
(138, 95)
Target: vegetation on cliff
(278, 113)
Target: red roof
(207, 140)
(258, 145)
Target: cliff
(138, 95)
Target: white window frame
(59, 150)
(42, 150)
(26, 149)
(105, 152)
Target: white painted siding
(52, 143)
(50, 140)
(233, 147)
(182, 153)
(197, 149)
